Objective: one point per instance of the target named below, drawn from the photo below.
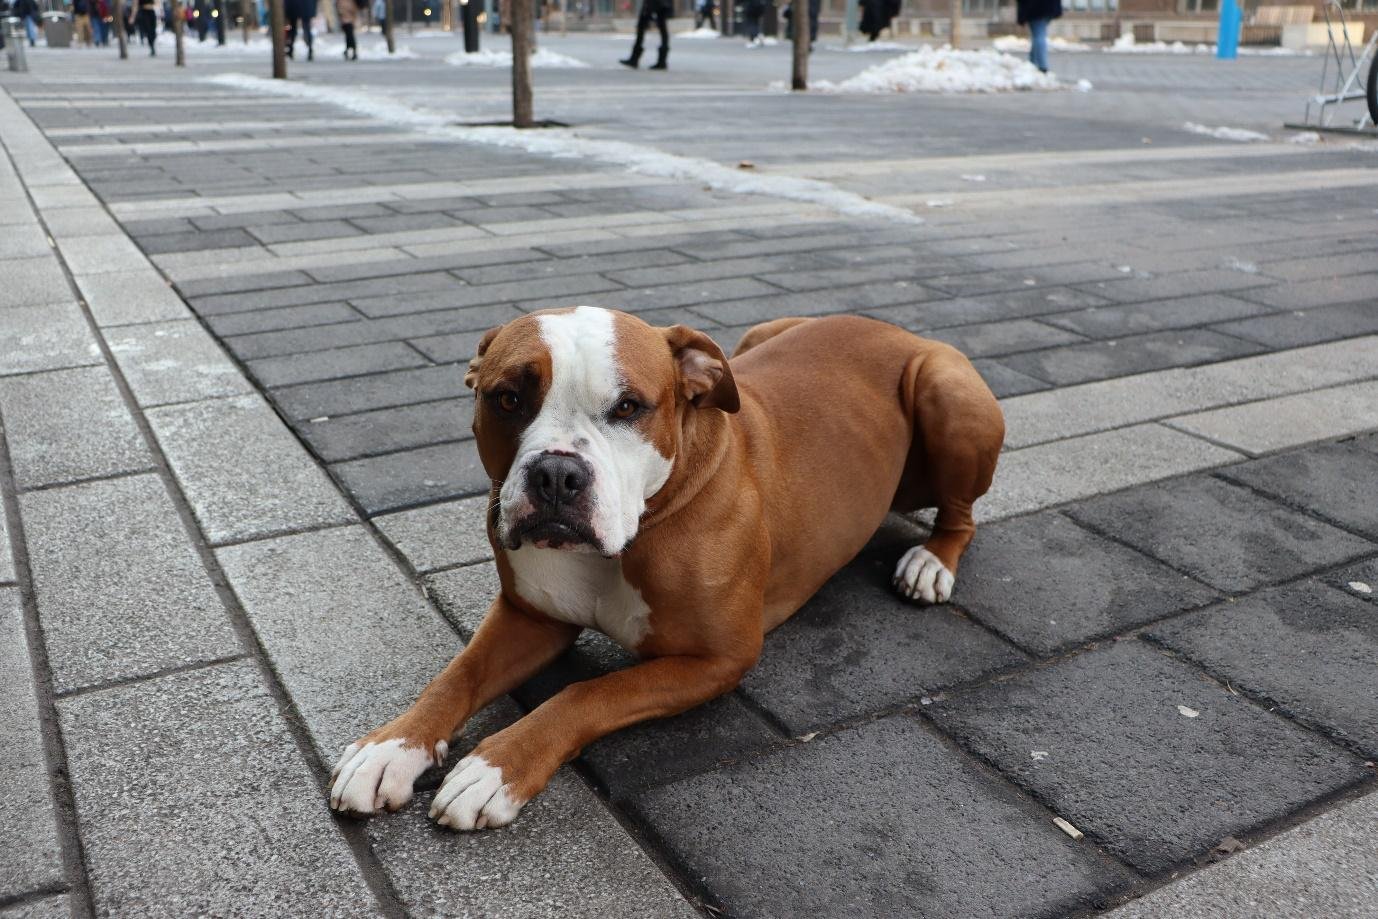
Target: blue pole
(1227, 39)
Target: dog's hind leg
(766, 331)
(958, 433)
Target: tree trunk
(119, 30)
(799, 22)
(277, 24)
(387, 26)
(955, 39)
(177, 28)
(521, 63)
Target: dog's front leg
(489, 786)
(378, 770)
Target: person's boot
(310, 53)
(660, 60)
(634, 61)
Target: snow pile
(1223, 133)
(566, 144)
(1126, 44)
(866, 46)
(325, 48)
(945, 70)
(1018, 44)
(376, 51)
(700, 32)
(543, 57)
(1304, 137)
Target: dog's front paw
(921, 577)
(475, 797)
(374, 775)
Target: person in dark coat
(299, 15)
(659, 11)
(1036, 14)
(27, 12)
(147, 21)
(876, 16)
(752, 12)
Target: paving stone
(651, 261)
(856, 647)
(1359, 580)
(1318, 293)
(1005, 382)
(243, 473)
(399, 480)
(836, 300)
(1048, 585)
(120, 592)
(340, 211)
(67, 425)
(20, 244)
(406, 265)
(388, 430)
(1129, 290)
(378, 390)
(1324, 867)
(1335, 481)
(7, 572)
(464, 595)
(33, 281)
(1033, 478)
(1306, 648)
(239, 283)
(1220, 533)
(30, 855)
(1156, 316)
(449, 349)
(54, 907)
(46, 337)
(995, 338)
(1134, 354)
(844, 816)
(458, 296)
(351, 638)
(212, 741)
(287, 317)
(230, 238)
(272, 233)
(173, 362)
(325, 365)
(993, 307)
(1306, 327)
(100, 254)
(124, 297)
(441, 535)
(442, 322)
(240, 221)
(1275, 424)
(1117, 746)
(390, 285)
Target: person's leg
(642, 22)
(1038, 43)
(664, 51)
(814, 7)
(291, 42)
(348, 29)
(306, 34)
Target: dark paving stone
(1156, 316)
(1335, 481)
(1222, 534)
(157, 227)
(1162, 286)
(397, 223)
(1320, 293)
(481, 216)
(379, 390)
(426, 205)
(1307, 327)
(1359, 580)
(328, 365)
(389, 430)
(195, 242)
(1046, 584)
(1149, 783)
(341, 211)
(1015, 304)
(298, 232)
(561, 287)
(399, 480)
(879, 820)
(410, 266)
(238, 283)
(1006, 382)
(857, 647)
(421, 282)
(287, 317)
(818, 302)
(1101, 360)
(995, 338)
(1307, 648)
(239, 221)
(449, 349)
(443, 322)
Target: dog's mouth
(548, 532)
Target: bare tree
(955, 38)
(177, 28)
(521, 63)
(277, 24)
(118, 26)
(799, 21)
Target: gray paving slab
(1157, 315)
(1359, 580)
(243, 473)
(1275, 424)
(857, 647)
(46, 337)
(34, 281)
(949, 840)
(1047, 585)
(21, 244)
(102, 253)
(387, 430)
(7, 569)
(1132, 354)
(464, 595)
(1004, 382)
(995, 338)
(1305, 327)
(344, 362)
(1120, 738)
(563, 288)
(287, 317)
(125, 297)
(441, 535)
(54, 907)
(994, 307)
(78, 221)
(66, 425)
(166, 362)
(1319, 293)
(1219, 533)
(377, 390)
(396, 481)
(1336, 481)
(1306, 648)
(773, 306)
(1325, 867)
(193, 800)
(30, 854)
(393, 285)
(444, 322)
(120, 592)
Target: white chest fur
(584, 589)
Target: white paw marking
(920, 576)
(379, 775)
(473, 797)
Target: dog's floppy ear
(705, 379)
(471, 376)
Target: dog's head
(578, 416)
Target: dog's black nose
(557, 478)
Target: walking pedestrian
(100, 22)
(704, 12)
(81, 22)
(1037, 14)
(147, 21)
(349, 15)
(299, 16)
(752, 11)
(659, 11)
(380, 15)
(27, 10)
(876, 16)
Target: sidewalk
(243, 513)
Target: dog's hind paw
(922, 578)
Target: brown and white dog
(684, 506)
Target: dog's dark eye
(625, 408)
(509, 401)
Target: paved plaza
(243, 511)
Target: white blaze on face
(585, 384)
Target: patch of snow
(1187, 711)
(700, 32)
(1038, 755)
(1304, 137)
(945, 70)
(1126, 44)
(1240, 135)
(1238, 264)
(864, 47)
(938, 202)
(325, 48)
(563, 143)
(1084, 85)
(1360, 587)
(542, 57)
(973, 178)
(1018, 44)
